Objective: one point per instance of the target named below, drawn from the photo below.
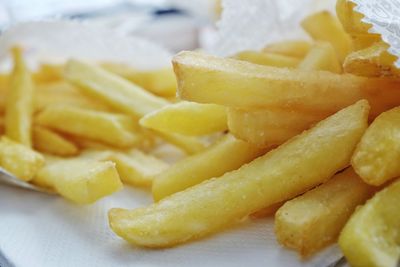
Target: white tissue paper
(38, 229)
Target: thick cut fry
(281, 174)
(134, 167)
(291, 48)
(351, 19)
(19, 160)
(161, 82)
(267, 58)
(374, 61)
(112, 89)
(49, 73)
(80, 180)
(323, 26)
(321, 56)
(225, 155)
(269, 127)
(187, 118)
(267, 211)
(19, 106)
(47, 141)
(371, 236)
(377, 156)
(113, 129)
(314, 220)
(191, 145)
(208, 79)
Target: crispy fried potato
(190, 145)
(267, 58)
(80, 180)
(281, 174)
(377, 156)
(323, 26)
(208, 79)
(267, 211)
(362, 41)
(187, 118)
(49, 73)
(314, 220)
(291, 48)
(19, 159)
(117, 92)
(371, 236)
(351, 19)
(47, 141)
(114, 129)
(161, 82)
(19, 106)
(321, 56)
(225, 155)
(374, 61)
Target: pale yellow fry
(377, 156)
(323, 26)
(114, 129)
(19, 105)
(207, 79)
(161, 82)
(187, 118)
(48, 73)
(291, 169)
(291, 48)
(134, 167)
(351, 19)
(371, 236)
(321, 56)
(314, 220)
(225, 155)
(190, 145)
(374, 61)
(80, 180)
(117, 92)
(19, 159)
(267, 58)
(47, 141)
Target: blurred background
(175, 24)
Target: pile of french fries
(306, 131)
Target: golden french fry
(117, 92)
(321, 56)
(191, 145)
(314, 220)
(374, 61)
(161, 82)
(19, 159)
(362, 41)
(187, 118)
(227, 154)
(19, 105)
(80, 180)
(267, 211)
(323, 26)
(377, 156)
(351, 19)
(49, 73)
(208, 79)
(47, 141)
(281, 174)
(267, 58)
(371, 236)
(114, 129)
(291, 48)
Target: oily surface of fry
(283, 173)
(371, 236)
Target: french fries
(19, 159)
(234, 83)
(225, 155)
(350, 19)
(291, 48)
(376, 158)
(190, 145)
(281, 174)
(371, 236)
(114, 129)
(314, 220)
(373, 61)
(47, 141)
(19, 106)
(321, 56)
(323, 26)
(187, 118)
(267, 58)
(79, 180)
